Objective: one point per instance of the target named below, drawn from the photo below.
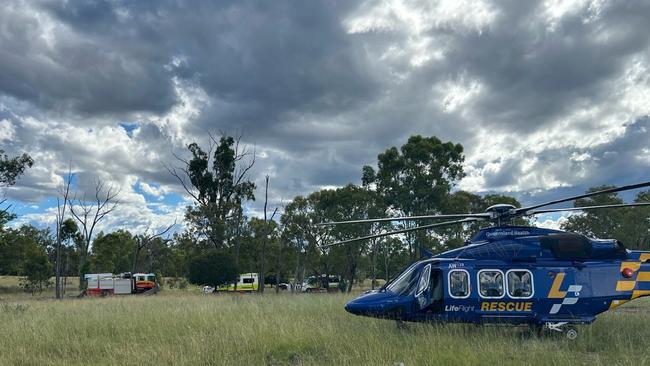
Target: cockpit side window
(459, 284)
(491, 284)
(406, 282)
(520, 284)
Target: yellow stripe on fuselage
(643, 276)
(617, 303)
(644, 257)
(631, 265)
(639, 293)
(625, 285)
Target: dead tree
(267, 234)
(89, 212)
(61, 208)
(142, 241)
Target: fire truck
(105, 284)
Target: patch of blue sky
(20, 208)
(129, 127)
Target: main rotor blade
(408, 218)
(403, 231)
(585, 208)
(523, 210)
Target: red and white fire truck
(104, 284)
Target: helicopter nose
(354, 308)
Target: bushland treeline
(285, 243)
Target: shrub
(212, 268)
(37, 270)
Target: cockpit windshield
(406, 282)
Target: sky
(547, 98)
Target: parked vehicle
(322, 283)
(105, 284)
(247, 282)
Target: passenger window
(490, 284)
(458, 284)
(520, 284)
(249, 280)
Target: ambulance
(247, 282)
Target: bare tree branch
(143, 241)
(90, 212)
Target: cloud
(547, 97)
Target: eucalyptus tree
(349, 203)
(218, 182)
(629, 225)
(416, 179)
(10, 169)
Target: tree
(17, 244)
(298, 228)
(10, 170)
(417, 178)
(266, 235)
(37, 271)
(349, 203)
(61, 207)
(604, 223)
(89, 212)
(143, 241)
(218, 183)
(112, 252)
(212, 268)
(629, 225)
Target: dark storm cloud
(72, 73)
(261, 59)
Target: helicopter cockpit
(419, 287)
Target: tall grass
(189, 328)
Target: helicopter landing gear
(564, 327)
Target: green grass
(188, 328)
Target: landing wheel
(563, 327)
(571, 333)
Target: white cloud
(159, 191)
(7, 130)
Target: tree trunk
(353, 271)
(82, 263)
(278, 270)
(57, 271)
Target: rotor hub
(500, 210)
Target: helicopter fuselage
(514, 275)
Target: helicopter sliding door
(429, 292)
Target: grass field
(188, 328)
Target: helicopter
(547, 279)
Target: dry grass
(188, 328)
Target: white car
(208, 289)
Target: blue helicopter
(518, 275)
